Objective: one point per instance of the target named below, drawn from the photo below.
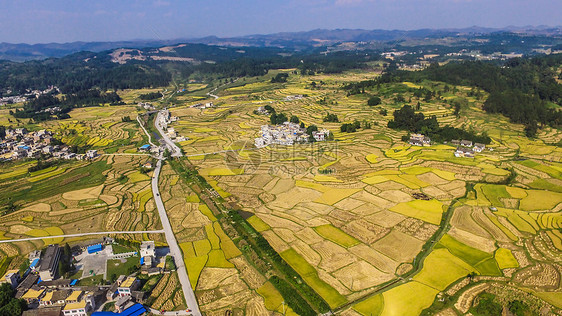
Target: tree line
(522, 89)
(37, 109)
(407, 119)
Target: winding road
(175, 250)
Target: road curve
(174, 247)
(85, 234)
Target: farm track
(418, 260)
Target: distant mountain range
(288, 40)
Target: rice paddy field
(222, 278)
(360, 218)
(373, 225)
(108, 194)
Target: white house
(478, 147)
(464, 152)
(466, 143)
(91, 154)
(76, 309)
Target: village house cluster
(262, 110)
(294, 97)
(287, 134)
(167, 118)
(30, 94)
(19, 144)
(203, 105)
(419, 140)
(48, 294)
(146, 106)
(466, 149)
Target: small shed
(144, 147)
(34, 265)
(94, 248)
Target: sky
(40, 21)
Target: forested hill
(154, 67)
(524, 89)
(77, 72)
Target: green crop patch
(470, 255)
(336, 235)
(310, 276)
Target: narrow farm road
(146, 132)
(174, 247)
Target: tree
(350, 127)
(373, 101)
(518, 308)
(280, 78)
(167, 153)
(531, 130)
(331, 117)
(311, 128)
(23, 267)
(277, 119)
(383, 112)
(9, 305)
(295, 119)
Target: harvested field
(398, 246)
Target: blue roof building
(34, 264)
(134, 310)
(94, 249)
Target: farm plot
(85, 197)
(214, 264)
(101, 128)
(353, 215)
(324, 218)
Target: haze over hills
(290, 40)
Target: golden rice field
(213, 261)
(106, 203)
(350, 216)
(364, 222)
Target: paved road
(86, 234)
(172, 147)
(174, 247)
(210, 93)
(125, 154)
(157, 312)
